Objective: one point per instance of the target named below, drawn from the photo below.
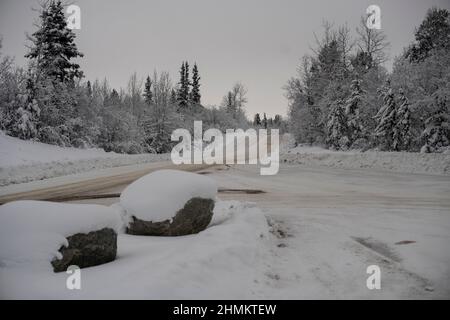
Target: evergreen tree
(432, 34)
(195, 92)
(89, 89)
(277, 120)
(28, 116)
(54, 76)
(386, 119)
(264, 121)
(53, 45)
(354, 125)
(173, 97)
(187, 81)
(257, 120)
(403, 135)
(229, 104)
(183, 87)
(336, 127)
(437, 127)
(148, 94)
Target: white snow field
(406, 162)
(227, 260)
(25, 161)
(165, 192)
(315, 230)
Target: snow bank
(17, 152)
(33, 231)
(25, 161)
(406, 162)
(226, 261)
(159, 195)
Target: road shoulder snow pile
(32, 232)
(225, 261)
(405, 162)
(24, 161)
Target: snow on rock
(32, 232)
(159, 195)
(226, 261)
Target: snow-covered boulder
(169, 203)
(39, 233)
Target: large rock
(88, 250)
(169, 203)
(194, 217)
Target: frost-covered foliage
(160, 117)
(386, 119)
(402, 138)
(437, 127)
(403, 117)
(51, 103)
(354, 124)
(337, 127)
(335, 71)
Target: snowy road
(333, 223)
(328, 225)
(92, 182)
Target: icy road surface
(331, 224)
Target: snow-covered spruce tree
(173, 97)
(402, 133)
(13, 96)
(386, 119)
(336, 127)
(195, 95)
(433, 34)
(148, 94)
(53, 45)
(28, 113)
(51, 53)
(437, 126)
(264, 121)
(183, 88)
(352, 112)
(257, 120)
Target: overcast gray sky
(257, 42)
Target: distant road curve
(98, 181)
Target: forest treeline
(344, 98)
(50, 100)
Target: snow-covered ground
(407, 162)
(334, 223)
(323, 219)
(227, 260)
(31, 232)
(312, 234)
(25, 161)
